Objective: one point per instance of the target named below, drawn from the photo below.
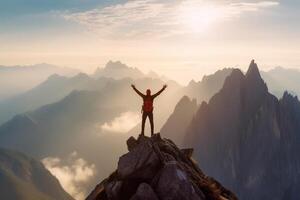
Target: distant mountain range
(54, 89)
(79, 115)
(78, 118)
(56, 86)
(247, 138)
(41, 120)
(15, 80)
(282, 79)
(36, 93)
(209, 85)
(119, 70)
(23, 178)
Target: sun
(198, 18)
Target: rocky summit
(156, 169)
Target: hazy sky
(180, 38)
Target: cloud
(240, 7)
(72, 173)
(152, 17)
(123, 123)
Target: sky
(182, 39)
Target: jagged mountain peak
(219, 73)
(81, 76)
(192, 82)
(118, 70)
(116, 65)
(252, 81)
(234, 79)
(289, 99)
(253, 71)
(55, 77)
(245, 132)
(185, 100)
(287, 95)
(256, 86)
(155, 168)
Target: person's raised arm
(160, 91)
(137, 91)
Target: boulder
(141, 162)
(131, 143)
(188, 152)
(144, 192)
(113, 189)
(173, 183)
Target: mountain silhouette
(55, 88)
(23, 178)
(15, 80)
(179, 120)
(79, 115)
(155, 168)
(79, 118)
(118, 70)
(209, 85)
(282, 79)
(248, 139)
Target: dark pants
(150, 116)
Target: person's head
(148, 92)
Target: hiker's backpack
(148, 104)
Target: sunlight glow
(198, 17)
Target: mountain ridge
(22, 177)
(242, 116)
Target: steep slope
(209, 85)
(177, 123)
(23, 178)
(15, 80)
(200, 91)
(247, 138)
(155, 168)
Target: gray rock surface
(173, 183)
(144, 192)
(156, 169)
(141, 162)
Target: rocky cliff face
(156, 169)
(248, 139)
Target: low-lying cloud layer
(123, 123)
(161, 18)
(72, 173)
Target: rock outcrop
(248, 139)
(156, 169)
